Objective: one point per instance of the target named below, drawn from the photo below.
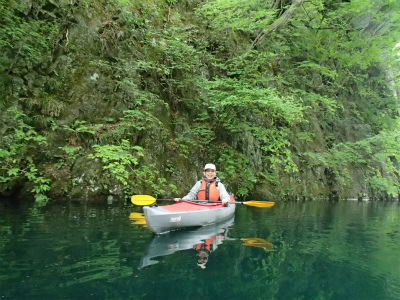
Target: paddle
(138, 218)
(143, 200)
(257, 242)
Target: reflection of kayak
(183, 214)
(171, 242)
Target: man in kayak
(209, 188)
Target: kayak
(184, 214)
(185, 239)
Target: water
(308, 250)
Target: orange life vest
(208, 191)
(207, 245)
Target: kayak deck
(183, 206)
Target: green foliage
(69, 156)
(191, 135)
(23, 42)
(245, 16)
(176, 55)
(242, 107)
(376, 156)
(80, 127)
(236, 99)
(41, 185)
(139, 120)
(117, 158)
(129, 126)
(315, 68)
(123, 81)
(236, 171)
(17, 158)
(235, 82)
(122, 162)
(377, 184)
(82, 133)
(150, 178)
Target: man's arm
(192, 195)
(223, 194)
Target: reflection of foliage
(103, 267)
(57, 265)
(75, 250)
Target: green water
(311, 250)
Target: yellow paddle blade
(139, 222)
(138, 218)
(136, 215)
(257, 242)
(259, 203)
(142, 200)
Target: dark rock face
(151, 86)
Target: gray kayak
(184, 214)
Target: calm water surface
(294, 250)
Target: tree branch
(280, 22)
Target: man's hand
(225, 201)
(177, 199)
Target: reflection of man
(202, 258)
(204, 249)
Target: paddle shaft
(210, 201)
(204, 201)
(148, 200)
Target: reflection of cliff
(206, 239)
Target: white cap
(202, 265)
(210, 166)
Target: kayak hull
(185, 214)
